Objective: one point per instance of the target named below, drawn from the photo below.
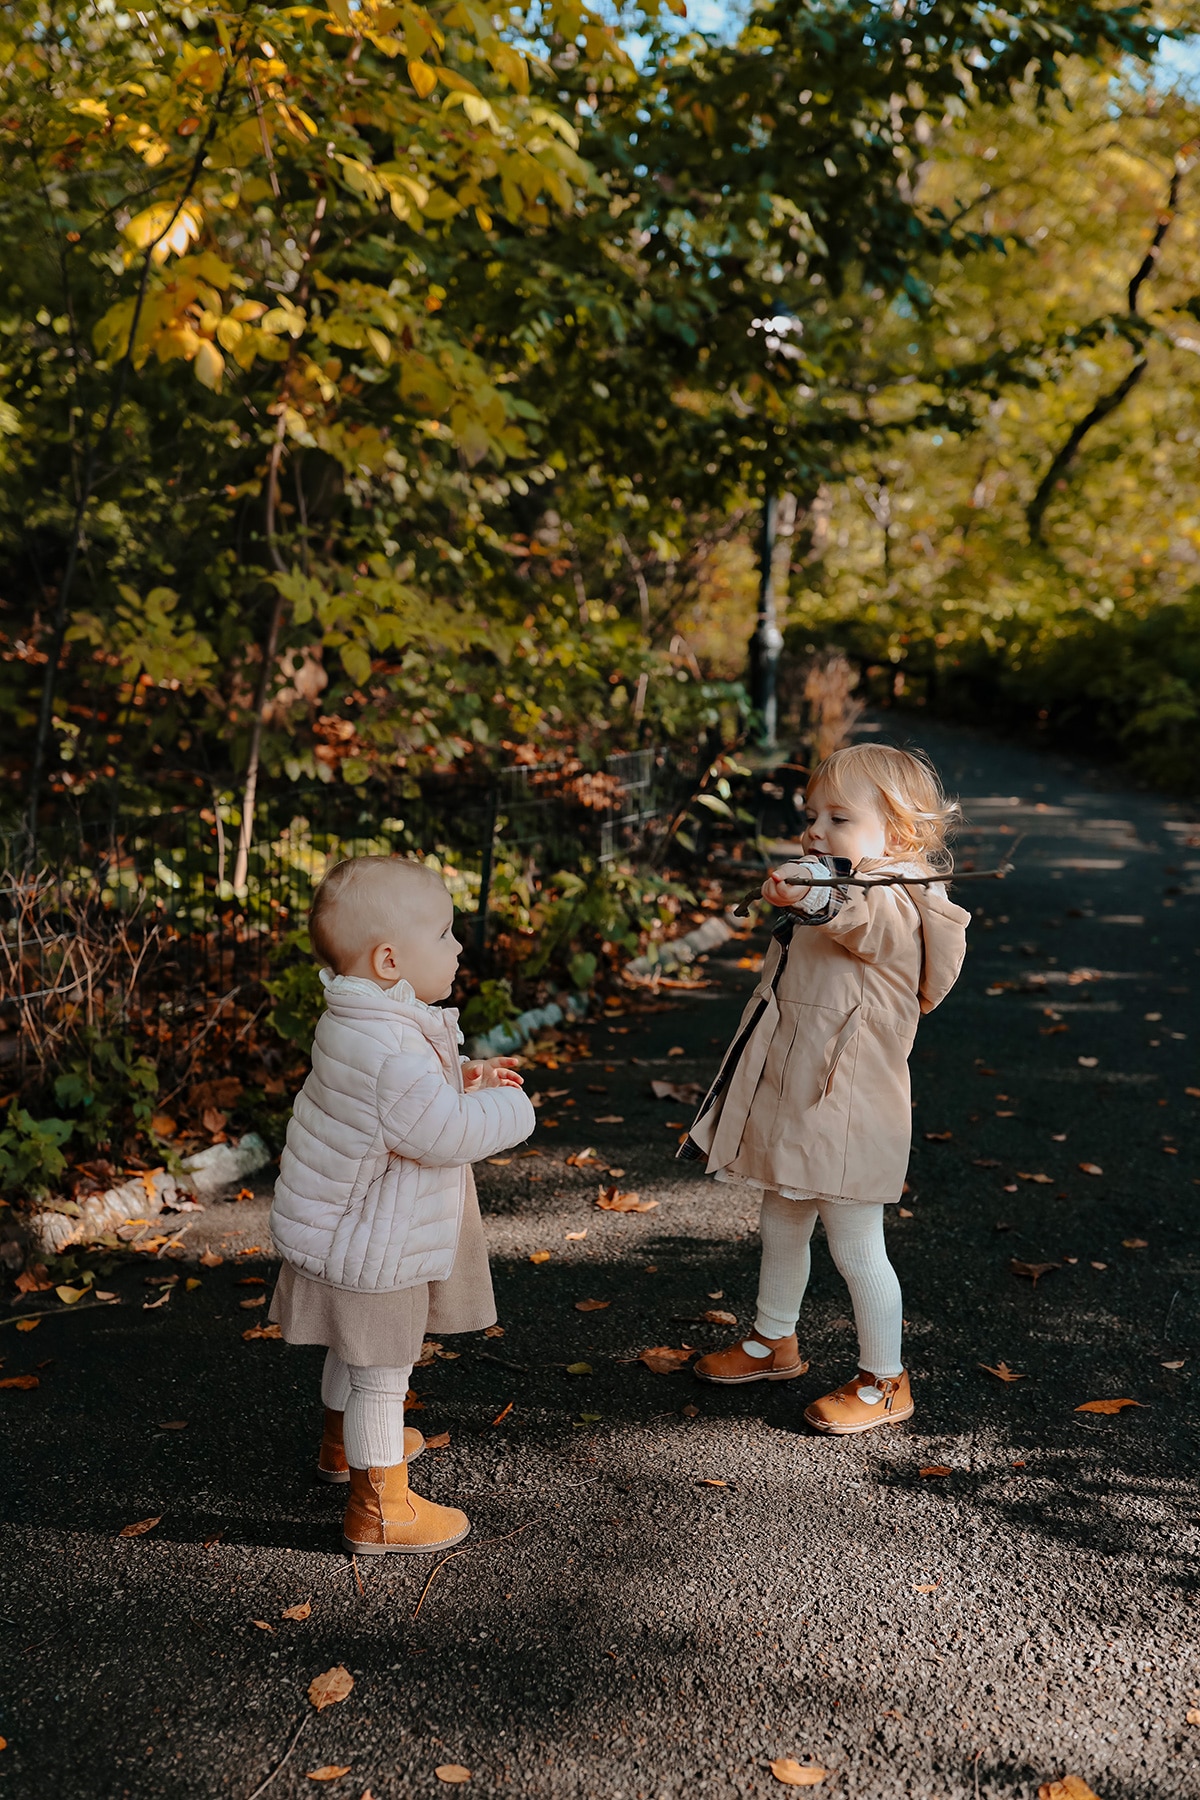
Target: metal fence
(151, 892)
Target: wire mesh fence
(147, 897)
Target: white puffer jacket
(373, 1173)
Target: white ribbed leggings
(855, 1236)
(372, 1401)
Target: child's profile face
(836, 827)
(412, 940)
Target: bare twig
(264, 1785)
(59, 1312)
(487, 1542)
(870, 881)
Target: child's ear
(383, 963)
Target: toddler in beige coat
(811, 1105)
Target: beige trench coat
(820, 1100)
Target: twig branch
(869, 881)
(264, 1785)
(487, 1542)
(60, 1312)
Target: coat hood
(944, 935)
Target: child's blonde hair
(348, 907)
(905, 788)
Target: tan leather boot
(331, 1460)
(863, 1404)
(384, 1515)
(734, 1366)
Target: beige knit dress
(385, 1331)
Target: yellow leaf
(379, 344)
(69, 1295)
(540, 1256)
(1106, 1406)
(794, 1774)
(423, 78)
(209, 366)
(327, 1689)
(191, 1284)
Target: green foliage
(492, 1005)
(108, 1082)
(582, 969)
(31, 1155)
(297, 993)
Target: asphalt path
(668, 1586)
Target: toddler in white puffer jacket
(375, 1214)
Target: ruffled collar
(400, 991)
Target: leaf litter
(660, 1359)
(614, 1199)
(795, 1774)
(331, 1687)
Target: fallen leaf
(576, 1237)
(162, 1125)
(677, 1050)
(610, 1119)
(583, 1159)
(688, 1093)
(616, 1173)
(190, 1285)
(1002, 1372)
(142, 1526)
(711, 1481)
(328, 1772)
(1097, 1265)
(935, 1469)
(211, 1259)
(904, 1212)
(261, 1625)
(926, 1587)
(494, 1331)
(69, 1295)
(1194, 1092)
(714, 1317)
(1106, 1406)
(334, 1685)
(579, 1368)
(28, 1324)
(1193, 1716)
(254, 1300)
(1071, 1787)
(263, 1331)
(34, 1280)
(1087, 1062)
(1135, 1243)
(172, 1425)
(664, 1361)
(986, 1162)
(428, 1351)
(250, 1281)
(153, 1305)
(1034, 1271)
(794, 1774)
(591, 1305)
(502, 1414)
(20, 1381)
(1175, 1365)
(717, 1294)
(612, 1199)
(1091, 1168)
(499, 1162)
(302, 1611)
(691, 1412)
(213, 1120)
(938, 1137)
(439, 1442)
(540, 1256)
(1042, 1180)
(452, 1772)
(449, 1355)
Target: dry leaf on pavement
(688, 1093)
(1106, 1406)
(1193, 1716)
(1002, 1372)
(142, 1526)
(439, 1442)
(713, 1317)
(328, 1772)
(172, 1424)
(20, 1381)
(794, 1774)
(302, 1611)
(1091, 1168)
(613, 1199)
(1135, 1243)
(28, 1324)
(662, 1360)
(211, 1259)
(935, 1469)
(452, 1772)
(580, 1368)
(583, 1159)
(1042, 1180)
(938, 1137)
(261, 1625)
(711, 1481)
(254, 1300)
(1071, 1787)
(591, 1305)
(540, 1256)
(327, 1689)
(69, 1295)
(1034, 1271)
(610, 1119)
(263, 1331)
(494, 1331)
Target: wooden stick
(529, 1523)
(868, 881)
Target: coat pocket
(837, 1050)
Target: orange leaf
(20, 1381)
(583, 1159)
(502, 1414)
(612, 1199)
(263, 1331)
(1042, 1180)
(143, 1525)
(254, 1300)
(713, 1317)
(662, 1360)
(1071, 1787)
(591, 1305)
(1091, 1168)
(28, 1324)
(711, 1481)
(439, 1442)
(540, 1256)
(261, 1625)
(794, 1774)
(328, 1772)
(302, 1611)
(452, 1772)
(939, 1137)
(211, 1259)
(327, 1689)
(1135, 1243)
(1107, 1406)
(935, 1469)
(1002, 1372)
(494, 1331)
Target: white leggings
(854, 1232)
(372, 1401)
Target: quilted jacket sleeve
(427, 1120)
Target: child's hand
(774, 890)
(495, 1071)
